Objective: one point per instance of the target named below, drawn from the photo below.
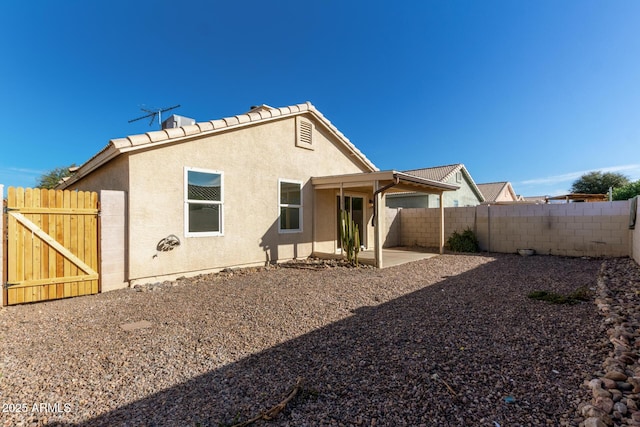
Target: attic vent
(304, 133)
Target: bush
(579, 295)
(627, 192)
(463, 242)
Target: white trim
(186, 202)
(300, 206)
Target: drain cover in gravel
(136, 325)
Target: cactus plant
(350, 237)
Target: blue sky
(532, 92)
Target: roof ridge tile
(243, 118)
(158, 135)
(230, 121)
(139, 139)
(205, 126)
(175, 132)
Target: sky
(536, 93)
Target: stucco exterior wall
(414, 200)
(252, 160)
(115, 176)
(113, 250)
(504, 195)
(464, 196)
(574, 229)
(2, 244)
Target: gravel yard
(448, 341)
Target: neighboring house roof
(491, 190)
(444, 173)
(257, 114)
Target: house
(495, 192)
(260, 187)
(467, 194)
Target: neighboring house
(468, 193)
(495, 192)
(251, 189)
(534, 199)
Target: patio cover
(380, 183)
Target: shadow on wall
(288, 220)
(379, 362)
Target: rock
(620, 407)
(589, 411)
(608, 383)
(604, 403)
(601, 393)
(616, 394)
(624, 386)
(635, 382)
(594, 422)
(616, 376)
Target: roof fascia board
(368, 178)
(134, 142)
(474, 187)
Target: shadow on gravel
(507, 358)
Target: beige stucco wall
(2, 244)
(464, 196)
(574, 229)
(113, 251)
(252, 159)
(115, 176)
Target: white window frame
(187, 202)
(281, 205)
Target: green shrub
(580, 294)
(463, 242)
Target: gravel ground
(448, 341)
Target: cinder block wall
(392, 223)
(421, 226)
(574, 229)
(113, 256)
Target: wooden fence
(52, 244)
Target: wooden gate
(52, 244)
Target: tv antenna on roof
(153, 113)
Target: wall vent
(304, 133)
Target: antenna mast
(153, 113)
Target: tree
(50, 179)
(627, 191)
(598, 182)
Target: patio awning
(402, 182)
(379, 183)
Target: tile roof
(444, 173)
(491, 190)
(261, 113)
(437, 173)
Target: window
(290, 203)
(203, 204)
